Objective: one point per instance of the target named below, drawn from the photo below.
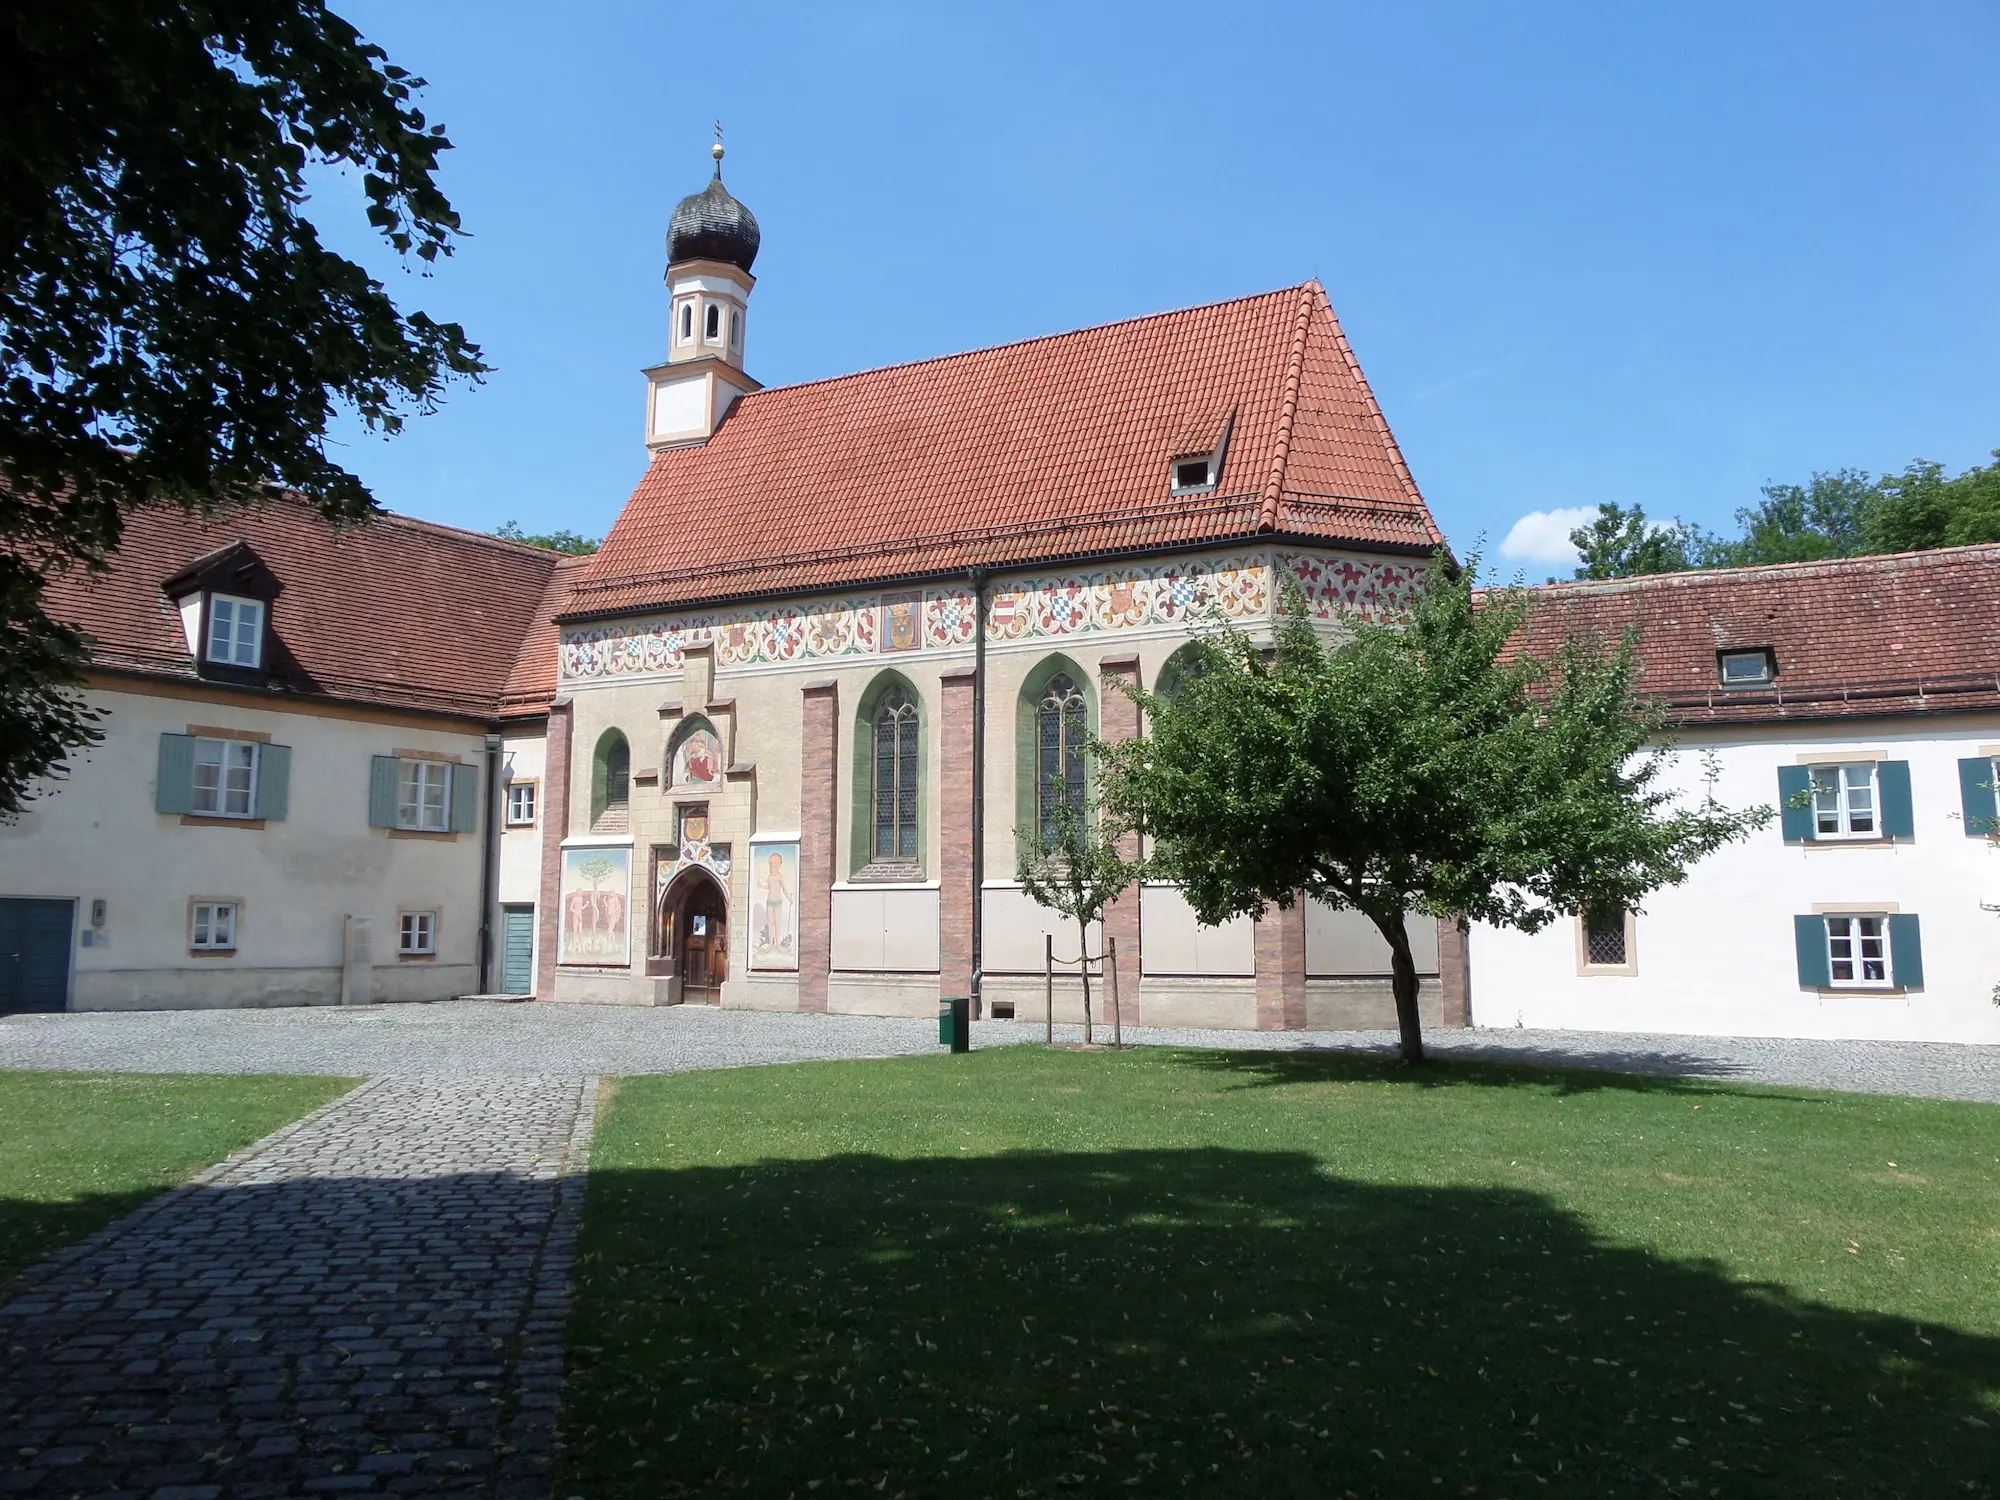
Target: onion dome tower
(712, 241)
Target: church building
(780, 743)
(850, 637)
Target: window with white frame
(687, 322)
(520, 803)
(711, 328)
(212, 926)
(1857, 952)
(235, 631)
(417, 934)
(225, 777)
(1746, 668)
(423, 795)
(1843, 802)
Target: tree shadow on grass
(1678, 1073)
(31, 1229)
(1213, 1322)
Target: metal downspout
(978, 578)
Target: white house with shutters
(1860, 701)
(306, 791)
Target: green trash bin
(955, 1023)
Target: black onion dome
(712, 225)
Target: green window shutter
(274, 781)
(174, 790)
(1892, 777)
(1975, 789)
(1795, 785)
(1810, 934)
(382, 792)
(1906, 952)
(464, 799)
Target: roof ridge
(1880, 560)
(484, 538)
(1039, 338)
(1295, 363)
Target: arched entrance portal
(695, 921)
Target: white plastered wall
(1716, 955)
(96, 836)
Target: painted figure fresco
(774, 906)
(698, 758)
(595, 883)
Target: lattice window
(1604, 941)
(1062, 729)
(896, 779)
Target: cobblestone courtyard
(371, 1300)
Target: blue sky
(1657, 254)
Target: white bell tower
(711, 243)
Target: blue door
(34, 954)
(517, 950)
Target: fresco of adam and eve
(596, 892)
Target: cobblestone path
(368, 1302)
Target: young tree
(1429, 765)
(172, 331)
(1077, 869)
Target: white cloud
(1542, 536)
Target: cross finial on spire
(716, 150)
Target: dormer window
(1199, 451)
(1747, 668)
(235, 631)
(1192, 475)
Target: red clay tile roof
(533, 682)
(1909, 633)
(1050, 449)
(400, 613)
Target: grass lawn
(1025, 1273)
(79, 1149)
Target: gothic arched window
(687, 321)
(1062, 728)
(611, 780)
(895, 800)
(713, 328)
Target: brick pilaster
(819, 744)
(1118, 721)
(1281, 968)
(555, 827)
(955, 896)
(1455, 970)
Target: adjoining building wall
(1720, 954)
(295, 879)
(517, 879)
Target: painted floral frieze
(1179, 592)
